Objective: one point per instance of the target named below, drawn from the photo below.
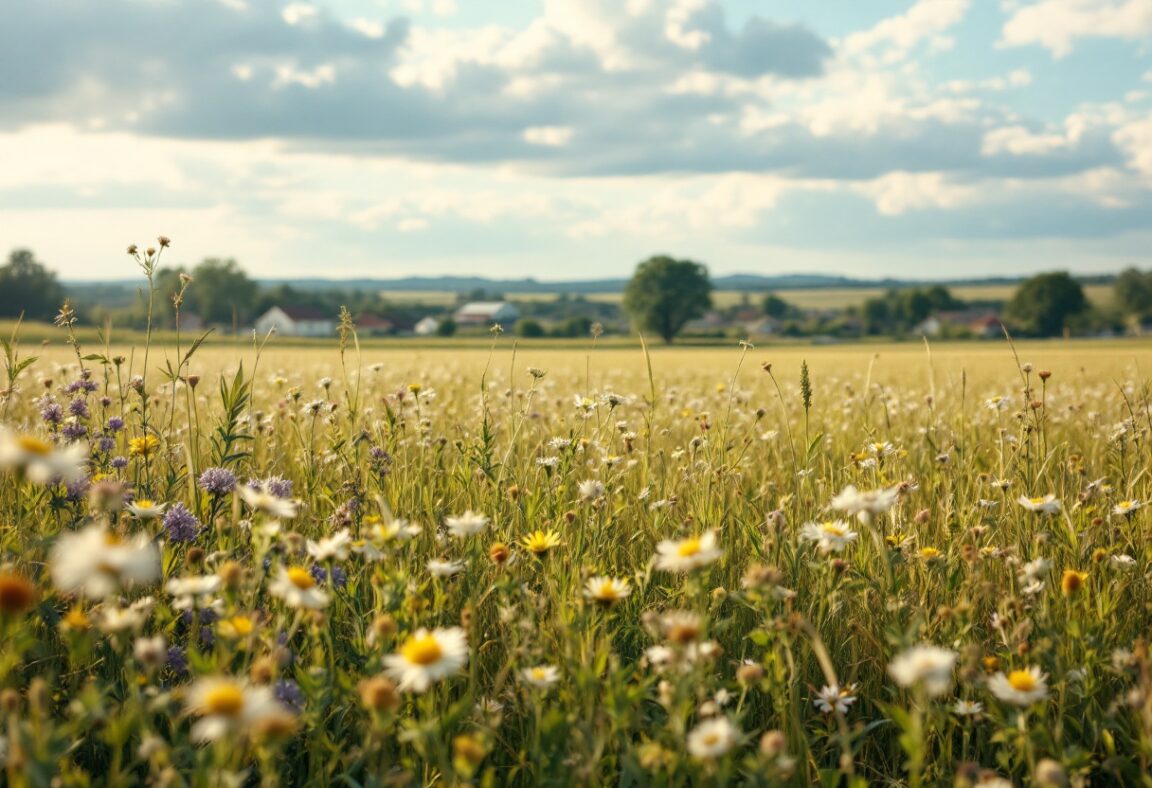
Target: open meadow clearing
(588, 565)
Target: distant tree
(446, 328)
(776, 307)
(1133, 293)
(223, 292)
(529, 329)
(875, 315)
(572, 327)
(1046, 304)
(27, 287)
(664, 294)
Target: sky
(571, 139)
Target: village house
(295, 321)
(426, 326)
(485, 313)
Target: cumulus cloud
(1058, 24)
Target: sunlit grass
(576, 565)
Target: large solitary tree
(223, 292)
(664, 294)
(1133, 293)
(1044, 305)
(28, 288)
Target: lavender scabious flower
(273, 485)
(52, 413)
(320, 575)
(115, 424)
(78, 489)
(217, 481)
(182, 525)
(78, 407)
(74, 431)
(177, 660)
(289, 693)
(119, 463)
(106, 444)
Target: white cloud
(368, 27)
(1057, 24)
(897, 35)
(412, 225)
(444, 7)
(295, 13)
(677, 27)
(548, 136)
(1135, 139)
(899, 192)
(324, 74)
(1019, 141)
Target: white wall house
(426, 327)
(485, 313)
(295, 321)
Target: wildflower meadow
(244, 562)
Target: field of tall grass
(889, 565)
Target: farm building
(374, 326)
(426, 327)
(485, 313)
(295, 321)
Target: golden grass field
(539, 564)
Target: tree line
(663, 296)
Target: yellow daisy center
(424, 650)
(34, 445)
(833, 530)
(688, 548)
(226, 700)
(712, 739)
(241, 625)
(1036, 501)
(1022, 680)
(539, 674)
(607, 590)
(301, 578)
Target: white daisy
(541, 676)
(713, 738)
(297, 587)
(591, 489)
(606, 590)
(445, 568)
(1127, 508)
(96, 563)
(260, 499)
(687, 554)
(468, 524)
(926, 665)
(331, 548)
(832, 697)
(866, 503)
(1047, 504)
(145, 509)
(830, 535)
(40, 461)
(1020, 687)
(231, 707)
(192, 591)
(427, 657)
(967, 708)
